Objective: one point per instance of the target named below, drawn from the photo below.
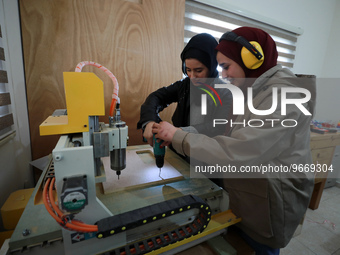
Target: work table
(322, 148)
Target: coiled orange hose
(115, 98)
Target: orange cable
(80, 228)
(56, 208)
(113, 106)
(92, 228)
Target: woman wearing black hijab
(199, 65)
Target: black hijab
(201, 47)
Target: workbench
(322, 148)
(37, 231)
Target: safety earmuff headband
(231, 36)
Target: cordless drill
(159, 153)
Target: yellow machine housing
(80, 87)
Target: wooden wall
(139, 41)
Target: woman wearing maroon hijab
(271, 203)
(232, 49)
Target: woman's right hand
(148, 135)
(164, 131)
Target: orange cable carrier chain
(126, 221)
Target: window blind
(6, 117)
(202, 18)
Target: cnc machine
(69, 213)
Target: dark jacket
(180, 92)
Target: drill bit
(160, 173)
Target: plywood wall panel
(139, 41)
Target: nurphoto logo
(239, 102)
(204, 97)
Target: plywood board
(141, 171)
(130, 38)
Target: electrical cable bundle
(58, 215)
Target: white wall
(332, 57)
(328, 103)
(15, 154)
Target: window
(202, 18)
(6, 117)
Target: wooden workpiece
(322, 148)
(141, 171)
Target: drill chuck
(159, 161)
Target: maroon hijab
(232, 50)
